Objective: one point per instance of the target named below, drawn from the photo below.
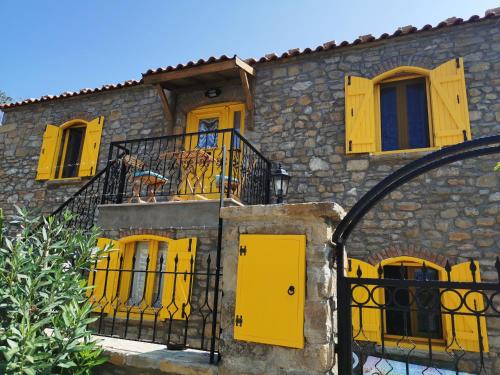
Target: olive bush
(43, 308)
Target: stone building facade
(298, 120)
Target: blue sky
(53, 46)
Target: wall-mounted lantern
(280, 179)
(212, 93)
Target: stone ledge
(54, 184)
(161, 215)
(401, 156)
(147, 357)
(326, 210)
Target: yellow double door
(203, 157)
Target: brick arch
(397, 61)
(408, 250)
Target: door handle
(291, 290)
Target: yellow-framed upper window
(146, 276)
(407, 108)
(394, 313)
(70, 150)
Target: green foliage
(497, 167)
(43, 308)
(4, 99)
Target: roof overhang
(204, 74)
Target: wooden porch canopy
(207, 74)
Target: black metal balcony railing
(177, 167)
(188, 166)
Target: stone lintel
(330, 211)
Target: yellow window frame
(128, 249)
(421, 343)
(62, 148)
(400, 74)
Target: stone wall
(316, 221)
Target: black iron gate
(391, 322)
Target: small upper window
(404, 117)
(70, 150)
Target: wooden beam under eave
(167, 110)
(245, 83)
(243, 65)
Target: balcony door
(205, 138)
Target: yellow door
(270, 290)
(204, 151)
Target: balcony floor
(162, 215)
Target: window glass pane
(389, 119)
(418, 129)
(139, 273)
(161, 265)
(73, 152)
(403, 115)
(397, 315)
(429, 316)
(406, 317)
(208, 140)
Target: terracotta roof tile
(490, 13)
(69, 94)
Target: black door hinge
(243, 250)
(238, 321)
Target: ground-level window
(395, 312)
(145, 276)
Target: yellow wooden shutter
(91, 144)
(270, 292)
(370, 317)
(359, 115)
(177, 305)
(103, 277)
(450, 113)
(48, 153)
(466, 327)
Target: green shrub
(43, 308)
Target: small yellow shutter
(450, 113)
(91, 144)
(270, 292)
(462, 331)
(177, 306)
(359, 115)
(48, 153)
(370, 329)
(103, 277)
